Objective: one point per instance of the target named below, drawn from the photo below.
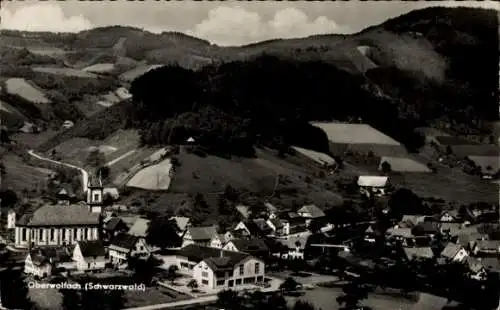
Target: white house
(124, 246)
(89, 255)
(200, 235)
(377, 185)
(295, 245)
(223, 272)
(11, 219)
(454, 252)
(42, 262)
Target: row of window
(87, 234)
(256, 269)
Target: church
(62, 224)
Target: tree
(404, 201)
(193, 285)
(228, 299)
(143, 270)
(172, 273)
(315, 226)
(289, 285)
(353, 293)
(96, 158)
(276, 302)
(163, 232)
(386, 167)
(303, 305)
(14, 291)
(9, 198)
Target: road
(114, 161)
(85, 175)
(189, 302)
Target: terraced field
(65, 72)
(26, 90)
(100, 68)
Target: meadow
(24, 89)
(65, 72)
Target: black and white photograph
(234, 155)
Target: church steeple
(95, 193)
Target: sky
(222, 23)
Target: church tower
(95, 194)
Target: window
(184, 265)
(221, 282)
(260, 278)
(64, 233)
(23, 234)
(96, 197)
(87, 234)
(249, 280)
(40, 234)
(204, 282)
(74, 233)
(52, 234)
(241, 270)
(257, 267)
(238, 282)
(204, 274)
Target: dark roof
(40, 256)
(250, 245)
(202, 232)
(258, 227)
(92, 248)
(313, 210)
(224, 263)
(60, 215)
(113, 223)
(196, 253)
(426, 228)
(277, 223)
(94, 181)
(124, 241)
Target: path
(114, 161)
(85, 175)
(189, 302)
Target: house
(426, 229)
(113, 226)
(448, 216)
(139, 228)
(226, 272)
(377, 185)
(418, 253)
(243, 211)
(124, 246)
(454, 252)
(295, 245)
(255, 247)
(11, 219)
(189, 256)
(272, 211)
(476, 270)
(311, 212)
(276, 225)
(486, 247)
(200, 235)
(182, 223)
(43, 262)
(218, 241)
(89, 255)
(400, 234)
(411, 221)
(261, 228)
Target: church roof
(60, 215)
(94, 181)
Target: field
(486, 161)
(464, 150)
(20, 175)
(33, 140)
(122, 169)
(74, 151)
(25, 90)
(404, 164)
(155, 177)
(65, 72)
(320, 158)
(354, 134)
(100, 68)
(134, 73)
(151, 296)
(340, 149)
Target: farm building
(403, 164)
(317, 157)
(360, 138)
(377, 185)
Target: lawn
(486, 161)
(354, 134)
(320, 158)
(404, 164)
(20, 176)
(65, 72)
(155, 177)
(152, 296)
(33, 140)
(25, 90)
(100, 68)
(136, 72)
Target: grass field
(152, 296)
(354, 134)
(320, 158)
(404, 164)
(20, 176)
(155, 177)
(25, 90)
(33, 140)
(486, 161)
(340, 149)
(65, 72)
(136, 72)
(121, 170)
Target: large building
(61, 224)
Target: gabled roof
(400, 232)
(113, 223)
(94, 181)
(250, 245)
(293, 242)
(418, 252)
(313, 210)
(474, 264)
(427, 228)
(224, 263)
(243, 210)
(451, 250)
(488, 245)
(59, 215)
(181, 221)
(139, 228)
(123, 242)
(40, 256)
(270, 207)
(373, 181)
(413, 220)
(276, 222)
(196, 253)
(262, 226)
(94, 248)
(202, 232)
